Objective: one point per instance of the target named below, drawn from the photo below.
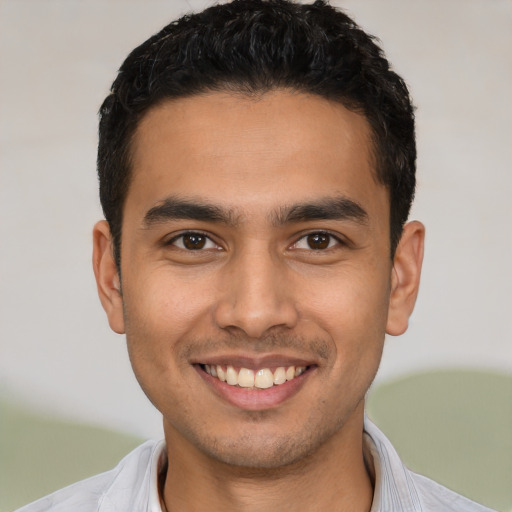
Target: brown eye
(318, 241)
(194, 241)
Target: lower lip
(253, 399)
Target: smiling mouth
(263, 378)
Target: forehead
(253, 153)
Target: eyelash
(181, 236)
(331, 238)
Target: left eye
(316, 242)
(193, 242)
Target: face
(256, 281)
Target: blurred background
(59, 362)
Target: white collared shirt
(132, 486)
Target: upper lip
(255, 363)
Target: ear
(107, 277)
(405, 277)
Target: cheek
(163, 301)
(351, 310)
(159, 316)
(160, 313)
(349, 301)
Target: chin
(254, 451)
(258, 455)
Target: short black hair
(251, 47)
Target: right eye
(193, 241)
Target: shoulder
(100, 493)
(398, 488)
(435, 496)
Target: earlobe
(405, 277)
(107, 277)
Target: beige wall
(57, 61)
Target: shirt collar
(158, 464)
(393, 486)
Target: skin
(258, 290)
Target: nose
(256, 295)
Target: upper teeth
(247, 378)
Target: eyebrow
(176, 208)
(330, 208)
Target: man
(257, 166)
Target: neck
(335, 478)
